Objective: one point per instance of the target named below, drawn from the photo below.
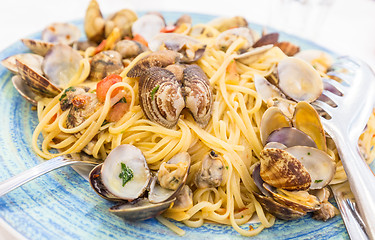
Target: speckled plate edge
(62, 205)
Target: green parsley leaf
(123, 100)
(154, 91)
(69, 89)
(126, 174)
(226, 167)
(308, 153)
(104, 123)
(318, 181)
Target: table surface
(347, 27)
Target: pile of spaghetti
(232, 132)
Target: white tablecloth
(347, 28)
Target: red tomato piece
(140, 39)
(103, 86)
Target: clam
(210, 174)
(65, 33)
(277, 209)
(94, 22)
(281, 169)
(286, 106)
(129, 48)
(190, 48)
(34, 61)
(267, 201)
(226, 38)
(60, 64)
(298, 200)
(24, 90)
(140, 209)
(198, 94)
(104, 64)
(320, 60)
(318, 163)
(148, 26)
(37, 46)
(265, 89)
(160, 96)
(160, 59)
(288, 48)
(183, 24)
(170, 179)
(267, 39)
(123, 20)
(308, 121)
(123, 175)
(35, 80)
(184, 199)
(253, 54)
(272, 120)
(290, 137)
(224, 23)
(299, 80)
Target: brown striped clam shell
(160, 96)
(198, 94)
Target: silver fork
(346, 124)
(45, 167)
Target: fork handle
(361, 180)
(34, 172)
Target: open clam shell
(265, 89)
(307, 119)
(320, 60)
(300, 200)
(34, 61)
(317, 163)
(124, 174)
(278, 210)
(36, 81)
(190, 48)
(272, 119)
(299, 80)
(253, 55)
(24, 90)
(160, 96)
(226, 38)
(148, 26)
(281, 169)
(60, 64)
(140, 209)
(168, 183)
(37, 46)
(290, 137)
(65, 33)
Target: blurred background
(343, 26)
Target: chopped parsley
(309, 153)
(226, 167)
(318, 181)
(126, 174)
(69, 89)
(123, 100)
(241, 216)
(104, 123)
(154, 91)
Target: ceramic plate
(62, 205)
